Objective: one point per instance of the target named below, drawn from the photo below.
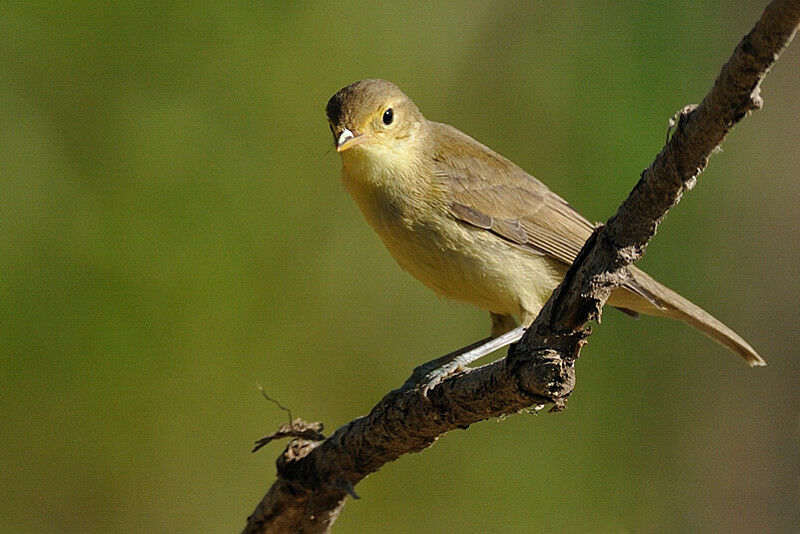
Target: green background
(173, 231)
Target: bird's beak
(348, 139)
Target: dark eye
(388, 116)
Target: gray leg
(428, 375)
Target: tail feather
(667, 303)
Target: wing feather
(492, 193)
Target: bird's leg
(428, 375)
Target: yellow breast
(455, 260)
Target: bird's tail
(667, 303)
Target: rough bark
(316, 474)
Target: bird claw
(429, 375)
(424, 378)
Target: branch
(316, 475)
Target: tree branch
(315, 475)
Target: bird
(472, 225)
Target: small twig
(275, 402)
(297, 429)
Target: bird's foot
(428, 375)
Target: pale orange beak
(348, 139)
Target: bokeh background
(173, 231)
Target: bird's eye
(388, 116)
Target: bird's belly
(473, 266)
(455, 260)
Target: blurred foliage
(172, 231)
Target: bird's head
(373, 118)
